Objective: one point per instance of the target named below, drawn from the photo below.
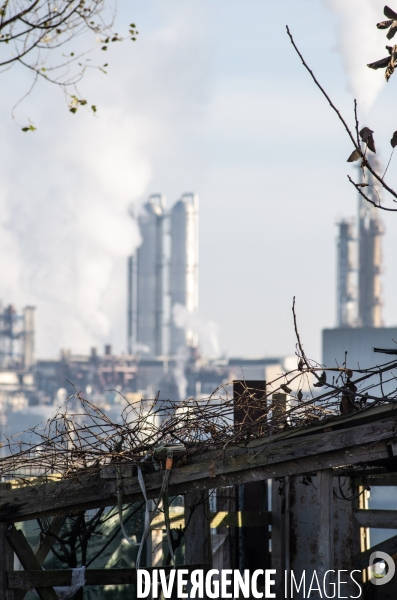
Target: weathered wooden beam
(198, 533)
(222, 518)
(6, 562)
(26, 580)
(251, 406)
(360, 454)
(289, 456)
(50, 537)
(361, 560)
(325, 532)
(45, 546)
(279, 405)
(280, 554)
(378, 480)
(246, 518)
(382, 519)
(28, 559)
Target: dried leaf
(389, 13)
(379, 64)
(393, 141)
(392, 30)
(355, 155)
(368, 138)
(389, 70)
(285, 388)
(365, 133)
(346, 406)
(384, 24)
(29, 128)
(322, 380)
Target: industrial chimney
(345, 272)
(184, 269)
(146, 282)
(370, 230)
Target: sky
(211, 99)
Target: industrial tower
(184, 269)
(359, 301)
(146, 282)
(163, 278)
(345, 274)
(370, 230)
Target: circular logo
(379, 575)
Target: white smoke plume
(179, 372)
(206, 331)
(360, 43)
(65, 232)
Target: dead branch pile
(81, 436)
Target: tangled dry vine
(81, 438)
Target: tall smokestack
(346, 289)
(370, 230)
(146, 282)
(184, 267)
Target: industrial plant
(359, 303)
(163, 355)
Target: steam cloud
(360, 43)
(207, 331)
(65, 232)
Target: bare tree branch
(356, 143)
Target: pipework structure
(17, 338)
(345, 275)
(359, 265)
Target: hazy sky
(210, 99)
